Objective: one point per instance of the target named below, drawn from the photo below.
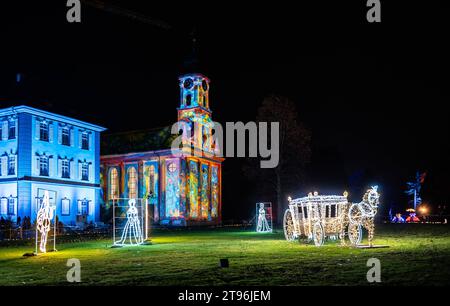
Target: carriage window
(305, 212)
(333, 211)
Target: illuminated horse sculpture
(362, 215)
(43, 220)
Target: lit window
(12, 129)
(65, 136)
(11, 206)
(132, 183)
(152, 180)
(12, 165)
(3, 206)
(43, 131)
(114, 183)
(65, 169)
(83, 207)
(43, 166)
(65, 207)
(172, 167)
(85, 172)
(85, 141)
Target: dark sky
(373, 95)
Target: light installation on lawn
(316, 217)
(132, 232)
(43, 222)
(264, 212)
(319, 217)
(415, 187)
(362, 214)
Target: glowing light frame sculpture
(264, 217)
(316, 217)
(135, 231)
(44, 219)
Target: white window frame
(64, 202)
(12, 168)
(12, 126)
(80, 207)
(44, 130)
(65, 134)
(3, 206)
(65, 163)
(44, 160)
(13, 205)
(85, 140)
(85, 170)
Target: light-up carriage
(316, 217)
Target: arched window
(132, 183)
(188, 100)
(113, 184)
(152, 180)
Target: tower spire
(191, 62)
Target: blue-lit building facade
(42, 151)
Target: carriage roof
(320, 200)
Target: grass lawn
(418, 255)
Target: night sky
(373, 95)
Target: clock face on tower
(188, 83)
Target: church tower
(194, 110)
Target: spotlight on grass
(223, 263)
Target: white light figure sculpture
(263, 225)
(132, 231)
(43, 221)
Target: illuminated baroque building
(42, 151)
(182, 189)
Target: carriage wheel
(318, 234)
(288, 226)
(355, 233)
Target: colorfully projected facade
(45, 152)
(182, 190)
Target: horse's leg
(370, 229)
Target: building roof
(52, 116)
(137, 141)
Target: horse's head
(372, 196)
